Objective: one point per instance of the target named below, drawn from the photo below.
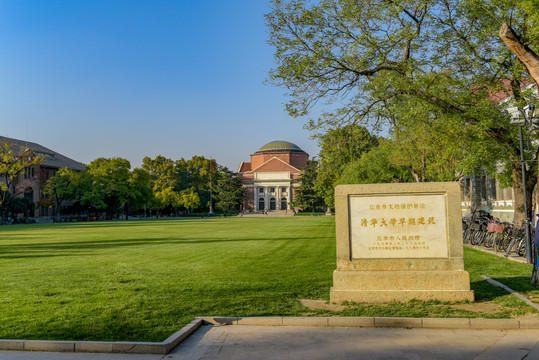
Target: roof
(279, 145)
(506, 92)
(275, 164)
(52, 158)
(245, 166)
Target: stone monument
(398, 242)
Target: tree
(61, 187)
(190, 200)
(163, 182)
(377, 63)
(521, 44)
(168, 197)
(109, 184)
(181, 183)
(20, 205)
(339, 147)
(140, 191)
(13, 161)
(305, 195)
(376, 166)
(229, 191)
(197, 174)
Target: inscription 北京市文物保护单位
(409, 226)
(397, 206)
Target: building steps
(270, 213)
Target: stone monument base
(386, 286)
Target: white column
(255, 197)
(289, 197)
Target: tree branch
(527, 57)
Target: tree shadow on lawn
(57, 249)
(100, 224)
(486, 291)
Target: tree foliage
(61, 187)
(109, 184)
(376, 166)
(230, 192)
(339, 147)
(13, 161)
(197, 176)
(140, 193)
(162, 173)
(305, 195)
(423, 72)
(184, 183)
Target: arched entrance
(261, 204)
(272, 204)
(29, 197)
(29, 194)
(283, 204)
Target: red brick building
(31, 182)
(270, 176)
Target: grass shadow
(486, 291)
(26, 250)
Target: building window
(261, 204)
(272, 204)
(283, 190)
(283, 204)
(29, 173)
(261, 190)
(272, 190)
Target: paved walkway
(298, 342)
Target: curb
(166, 346)
(379, 322)
(104, 346)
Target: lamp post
(211, 190)
(525, 118)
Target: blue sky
(142, 78)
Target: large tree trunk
(531, 179)
(526, 55)
(531, 62)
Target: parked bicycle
(481, 229)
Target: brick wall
(296, 159)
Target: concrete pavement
(305, 342)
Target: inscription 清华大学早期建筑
(410, 226)
(381, 222)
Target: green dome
(279, 146)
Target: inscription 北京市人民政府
(399, 242)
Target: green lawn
(145, 280)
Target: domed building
(270, 176)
